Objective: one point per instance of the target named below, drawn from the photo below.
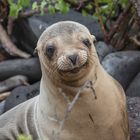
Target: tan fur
(102, 119)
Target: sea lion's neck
(52, 98)
(50, 89)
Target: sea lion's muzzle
(72, 63)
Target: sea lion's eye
(94, 41)
(50, 50)
(87, 43)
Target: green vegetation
(105, 6)
(23, 137)
(109, 7)
(52, 6)
(15, 8)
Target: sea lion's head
(66, 51)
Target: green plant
(51, 5)
(108, 7)
(15, 8)
(24, 137)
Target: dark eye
(86, 42)
(50, 50)
(94, 41)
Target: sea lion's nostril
(73, 58)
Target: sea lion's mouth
(74, 70)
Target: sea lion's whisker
(91, 61)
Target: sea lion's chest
(91, 119)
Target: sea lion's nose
(73, 58)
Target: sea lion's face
(70, 55)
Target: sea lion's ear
(93, 38)
(35, 51)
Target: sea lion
(68, 60)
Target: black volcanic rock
(21, 94)
(123, 66)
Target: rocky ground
(23, 75)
